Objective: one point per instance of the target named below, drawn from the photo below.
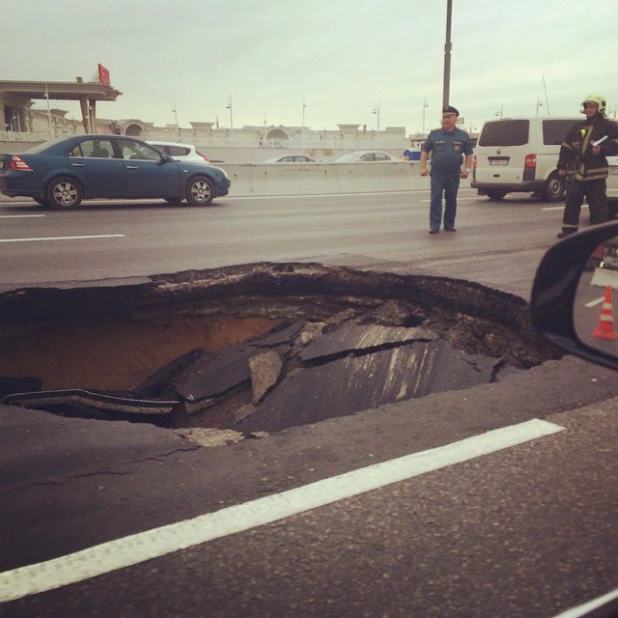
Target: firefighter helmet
(598, 100)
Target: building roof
(67, 91)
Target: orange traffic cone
(605, 327)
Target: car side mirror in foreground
(572, 300)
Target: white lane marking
(553, 208)
(61, 238)
(19, 216)
(582, 610)
(594, 303)
(459, 199)
(158, 542)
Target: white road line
(19, 216)
(158, 542)
(582, 610)
(552, 208)
(61, 238)
(459, 199)
(594, 303)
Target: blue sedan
(61, 173)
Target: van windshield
(554, 131)
(505, 133)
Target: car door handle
(132, 167)
(78, 164)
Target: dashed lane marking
(586, 608)
(459, 199)
(61, 238)
(131, 550)
(19, 216)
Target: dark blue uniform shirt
(447, 150)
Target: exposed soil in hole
(256, 347)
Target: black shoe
(433, 231)
(450, 229)
(566, 233)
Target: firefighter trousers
(595, 191)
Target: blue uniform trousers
(447, 184)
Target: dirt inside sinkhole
(256, 347)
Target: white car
(291, 159)
(181, 152)
(363, 156)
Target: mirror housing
(555, 287)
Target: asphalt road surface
(494, 501)
(497, 243)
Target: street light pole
(229, 106)
(377, 111)
(448, 46)
(424, 106)
(175, 110)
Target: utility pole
(448, 47)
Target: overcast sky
(344, 58)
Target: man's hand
(561, 172)
(423, 171)
(463, 174)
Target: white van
(521, 154)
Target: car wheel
(64, 193)
(495, 194)
(554, 188)
(200, 191)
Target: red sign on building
(104, 75)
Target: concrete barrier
(321, 178)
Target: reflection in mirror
(596, 299)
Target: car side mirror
(166, 158)
(572, 301)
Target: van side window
(505, 133)
(554, 131)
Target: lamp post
(448, 46)
(304, 106)
(500, 112)
(377, 112)
(424, 107)
(229, 106)
(538, 104)
(175, 110)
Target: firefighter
(583, 159)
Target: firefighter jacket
(576, 156)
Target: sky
(336, 61)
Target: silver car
(181, 152)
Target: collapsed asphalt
(255, 348)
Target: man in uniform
(448, 146)
(583, 159)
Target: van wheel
(495, 194)
(554, 188)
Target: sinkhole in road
(258, 347)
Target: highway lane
(498, 244)
(527, 531)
